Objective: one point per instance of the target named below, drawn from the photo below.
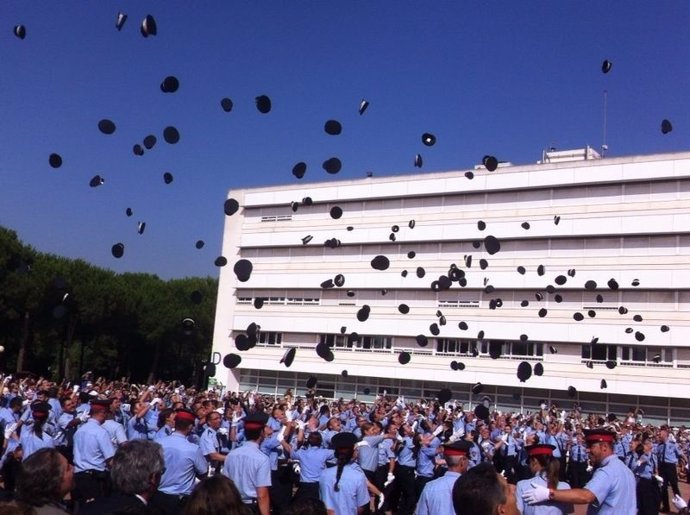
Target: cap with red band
(255, 421)
(39, 410)
(457, 448)
(100, 405)
(540, 450)
(185, 414)
(599, 435)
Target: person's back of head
(215, 495)
(137, 468)
(45, 477)
(478, 491)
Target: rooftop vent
(565, 156)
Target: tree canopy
(62, 317)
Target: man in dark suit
(135, 473)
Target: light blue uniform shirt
(578, 453)
(31, 442)
(405, 455)
(115, 431)
(312, 462)
(183, 462)
(545, 507)
(668, 452)
(426, 460)
(208, 441)
(368, 452)
(643, 466)
(249, 468)
(164, 431)
(437, 496)
(271, 447)
(352, 490)
(92, 447)
(140, 428)
(613, 484)
(386, 452)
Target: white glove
(438, 430)
(297, 468)
(381, 501)
(10, 429)
(659, 480)
(300, 425)
(155, 401)
(590, 468)
(678, 502)
(389, 479)
(281, 434)
(399, 438)
(83, 416)
(223, 431)
(75, 388)
(537, 494)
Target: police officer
(35, 436)
(405, 472)
(211, 443)
(344, 487)
(312, 462)
(249, 468)
(608, 492)
(667, 454)
(184, 462)
(93, 451)
(437, 496)
(546, 470)
(643, 463)
(141, 426)
(577, 464)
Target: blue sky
(501, 77)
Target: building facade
(576, 265)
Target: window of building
(455, 346)
(600, 352)
(270, 338)
(639, 355)
(334, 340)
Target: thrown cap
(185, 414)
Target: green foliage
(62, 317)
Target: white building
(625, 218)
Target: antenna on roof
(604, 146)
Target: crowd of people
(101, 447)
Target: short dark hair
(478, 491)
(40, 478)
(215, 494)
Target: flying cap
(333, 127)
(299, 169)
(457, 448)
(120, 20)
(666, 126)
(289, 357)
(171, 135)
(263, 104)
(20, 31)
(363, 104)
(148, 26)
(332, 165)
(540, 450)
(55, 160)
(150, 141)
(170, 84)
(593, 436)
(606, 66)
(118, 250)
(404, 358)
(226, 104)
(106, 126)
(428, 139)
(232, 360)
(312, 381)
(444, 395)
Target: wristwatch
(551, 492)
